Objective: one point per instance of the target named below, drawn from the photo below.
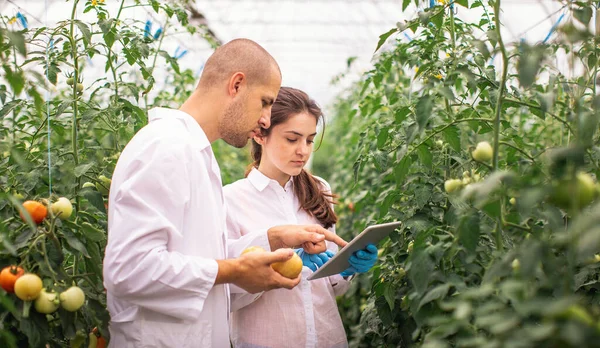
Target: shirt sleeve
(239, 297)
(236, 243)
(147, 209)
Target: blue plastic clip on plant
(157, 33)
(147, 28)
(22, 19)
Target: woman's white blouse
(306, 316)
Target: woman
(277, 190)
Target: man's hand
(310, 237)
(253, 273)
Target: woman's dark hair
(309, 190)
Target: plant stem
(499, 99)
(502, 84)
(452, 30)
(162, 36)
(74, 123)
(110, 54)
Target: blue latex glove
(361, 261)
(313, 261)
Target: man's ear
(236, 82)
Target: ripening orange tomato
(9, 276)
(36, 210)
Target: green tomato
(72, 299)
(104, 185)
(483, 152)
(70, 81)
(452, 185)
(62, 208)
(583, 191)
(79, 87)
(46, 302)
(516, 265)
(28, 287)
(88, 184)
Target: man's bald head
(239, 55)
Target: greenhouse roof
(311, 39)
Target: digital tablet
(339, 262)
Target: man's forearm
(228, 271)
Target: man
(166, 269)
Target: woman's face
(288, 147)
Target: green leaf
(9, 248)
(400, 114)
(421, 271)
(168, 10)
(447, 92)
(155, 5)
(172, 61)
(75, 243)
(468, 232)
(464, 3)
(82, 169)
(425, 155)
(384, 37)
(8, 305)
(110, 37)
(94, 263)
(423, 110)
(36, 328)
(452, 137)
(382, 137)
(17, 39)
(482, 48)
(584, 15)
(383, 311)
(10, 106)
(95, 198)
(52, 70)
(529, 64)
(436, 293)
(401, 169)
(87, 36)
(405, 4)
(15, 79)
(67, 322)
(62, 107)
(389, 293)
(438, 19)
(24, 237)
(92, 233)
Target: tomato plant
(498, 241)
(63, 128)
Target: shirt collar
(199, 137)
(261, 181)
